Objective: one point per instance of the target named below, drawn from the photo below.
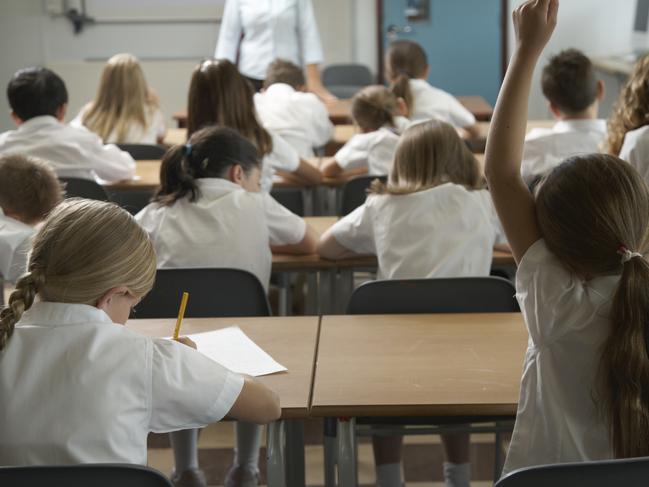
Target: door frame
(504, 39)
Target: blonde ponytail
(21, 300)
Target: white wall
(598, 28)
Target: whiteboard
(155, 10)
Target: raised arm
(534, 22)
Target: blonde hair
(429, 154)
(123, 99)
(631, 110)
(85, 248)
(588, 208)
(373, 107)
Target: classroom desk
(415, 365)
(147, 177)
(292, 341)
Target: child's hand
(186, 341)
(534, 22)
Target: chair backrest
(84, 188)
(212, 293)
(354, 193)
(347, 74)
(630, 472)
(132, 200)
(95, 475)
(291, 198)
(144, 151)
(443, 295)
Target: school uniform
(154, 130)
(73, 152)
(445, 231)
(429, 103)
(374, 150)
(283, 157)
(226, 227)
(568, 321)
(546, 148)
(635, 150)
(15, 242)
(77, 388)
(301, 119)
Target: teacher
(256, 32)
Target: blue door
(462, 38)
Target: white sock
(248, 441)
(185, 447)
(457, 474)
(389, 475)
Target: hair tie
(627, 254)
(187, 149)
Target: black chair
(291, 198)
(84, 188)
(629, 472)
(344, 80)
(354, 193)
(212, 293)
(95, 475)
(144, 151)
(132, 200)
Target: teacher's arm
(230, 32)
(311, 50)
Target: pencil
(181, 314)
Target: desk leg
(347, 475)
(308, 197)
(276, 454)
(326, 291)
(284, 294)
(295, 471)
(312, 294)
(344, 290)
(330, 452)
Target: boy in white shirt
(573, 93)
(29, 190)
(285, 108)
(38, 100)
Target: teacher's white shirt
(271, 29)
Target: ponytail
(20, 301)
(624, 364)
(176, 177)
(406, 60)
(401, 89)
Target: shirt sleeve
(308, 34)
(355, 231)
(110, 163)
(188, 390)
(460, 116)
(159, 124)
(230, 32)
(283, 157)
(284, 227)
(354, 153)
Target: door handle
(393, 30)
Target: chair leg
(347, 466)
(330, 452)
(498, 455)
(295, 471)
(276, 454)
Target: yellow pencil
(181, 314)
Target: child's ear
(301, 88)
(601, 90)
(556, 111)
(16, 119)
(61, 111)
(236, 174)
(402, 108)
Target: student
(220, 95)
(209, 212)
(574, 93)
(29, 190)
(38, 100)
(628, 126)
(407, 70)
(75, 385)
(432, 220)
(374, 110)
(286, 109)
(581, 282)
(125, 110)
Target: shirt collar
(216, 186)
(582, 125)
(37, 122)
(280, 89)
(45, 313)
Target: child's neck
(589, 113)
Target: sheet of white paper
(232, 348)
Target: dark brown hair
(405, 60)
(373, 107)
(220, 95)
(588, 208)
(36, 91)
(569, 81)
(29, 187)
(283, 71)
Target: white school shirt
(73, 152)
(446, 231)
(226, 227)
(271, 29)
(15, 242)
(568, 321)
(77, 388)
(155, 129)
(301, 119)
(283, 157)
(545, 149)
(373, 150)
(429, 103)
(635, 150)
